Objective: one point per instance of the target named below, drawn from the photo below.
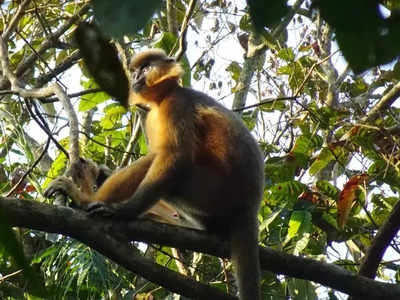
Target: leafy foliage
(364, 25)
(126, 17)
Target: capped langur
(202, 161)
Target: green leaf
(245, 23)
(301, 289)
(142, 145)
(327, 189)
(235, 69)
(304, 147)
(286, 54)
(285, 70)
(299, 223)
(322, 160)
(331, 220)
(9, 246)
(167, 41)
(285, 193)
(280, 169)
(46, 253)
(301, 244)
(112, 117)
(90, 101)
(264, 225)
(273, 106)
(361, 25)
(124, 17)
(58, 166)
(249, 118)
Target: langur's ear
(102, 61)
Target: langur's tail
(245, 258)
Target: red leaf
(347, 197)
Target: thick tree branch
(254, 56)
(112, 244)
(73, 123)
(380, 243)
(252, 59)
(73, 223)
(383, 103)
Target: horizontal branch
(73, 223)
(386, 101)
(98, 233)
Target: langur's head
(152, 67)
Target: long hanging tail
(245, 258)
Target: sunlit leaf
(92, 100)
(301, 289)
(300, 222)
(301, 244)
(264, 225)
(286, 54)
(321, 161)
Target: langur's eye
(145, 69)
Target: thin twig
(132, 142)
(30, 60)
(15, 19)
(5, 277)
(311, 71)
(104, 145)
(41, 59)
(266, 101)
(45, 127)
(54, 89)
(182, 39)
(73, 123)
(73, 95)
(23, 177)
(16, 84)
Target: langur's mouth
(139, 83)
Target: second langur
(202, 161)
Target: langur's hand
(101, 209)
(60, 185)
